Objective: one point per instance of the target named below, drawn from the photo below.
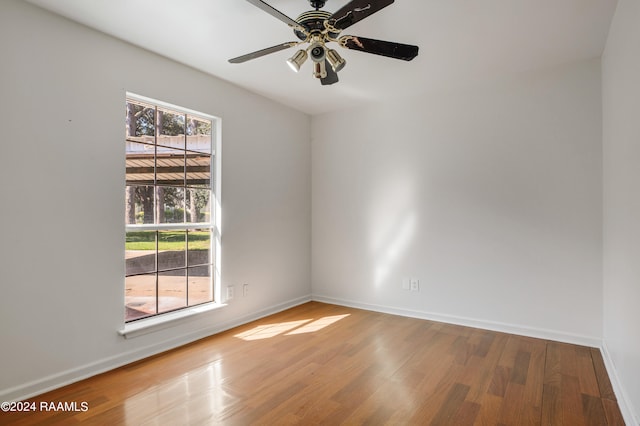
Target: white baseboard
(631, 418)
(54, 381)
(470, 322)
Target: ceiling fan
(317, 28)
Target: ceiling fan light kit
(296, 61)
(337, 62)
(317, 28)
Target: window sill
(160, 322)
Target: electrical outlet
(415, 284)
(230, 291)
(245, 290)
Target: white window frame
(164, 320)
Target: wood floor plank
(572, 409)
(489, 413)
(467, 414)
(479, 371)
(380, 406)
(452, 403)
(501, 375)
(520, 368)
(320, 364)
(604, 384)
(484, 343)
(552, 369)
(513, 405)
(535, 382)
(593, 411)
(586, 372)
(612, 412)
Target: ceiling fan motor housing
(313, 21)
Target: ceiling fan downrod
(317, 4)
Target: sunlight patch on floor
(270, 330)
(292, 327)
(317, 324)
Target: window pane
(198, 170)
(169, 167)
(140, 252)
(172, 249)
(199, 247)
(140, 296)
(171, 129)
(136, 148)
(140, 164)
(198, 205)
(139, 204)
(170, 204)
(172, 290)
(200, 285)
(198, 134)
(140, 122)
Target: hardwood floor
(326, 364)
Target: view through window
(168, 208)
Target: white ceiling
(461, 42)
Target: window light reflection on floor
(317, 324)
(292, 327)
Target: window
(170, 208)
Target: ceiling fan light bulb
(296, 61)
(337, 62)
(294, 67)
(319, 70)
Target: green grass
(167, 240)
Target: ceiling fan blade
(263, 52)
(389, 49)
(274, 12)
(332, 76)
(356, 11)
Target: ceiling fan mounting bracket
(317, 4)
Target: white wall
(491, 197)
(62, 90)
(621, 130)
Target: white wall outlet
(230, 292)
(415, 284)
(406, 283)
(245, 290)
